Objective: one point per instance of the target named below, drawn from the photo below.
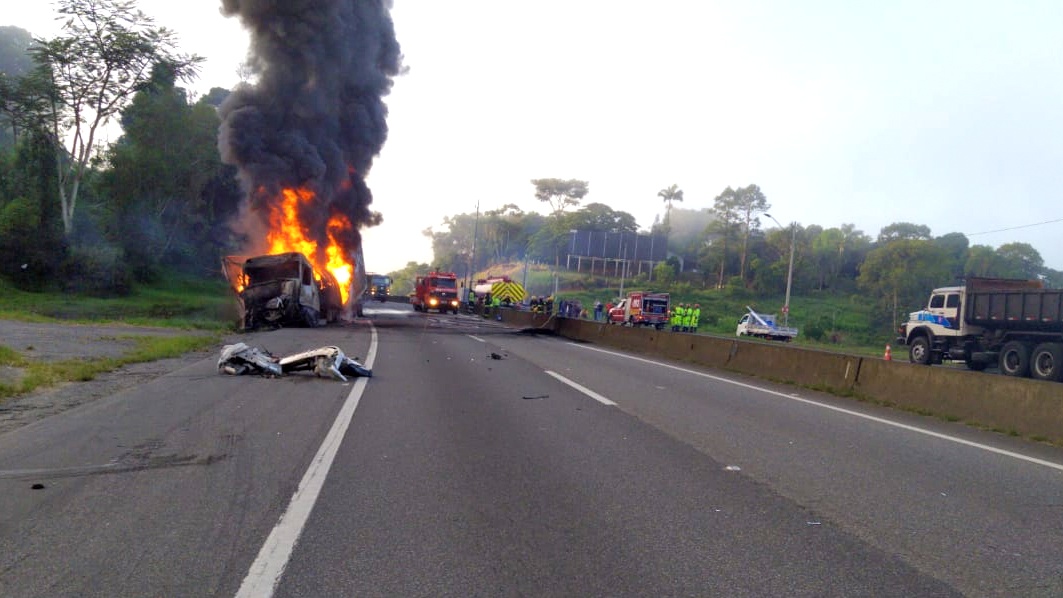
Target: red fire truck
(641, 308)
(436, 290)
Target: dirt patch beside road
(52, 341)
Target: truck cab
(436, 291)
(285, 290)
(379, 287)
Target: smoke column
(315, 117)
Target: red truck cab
(436, 290)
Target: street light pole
(790, 270)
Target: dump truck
(641, 308)
(763, 326)
(1014, 324)
(436, 290)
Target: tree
(599, 217)
(901, 272)
(982, 261)
(726, 216)
(669, 195)
(750, 201)
(956, 248)
(106, 53)
(15, 62)
(163, 181)
(903, 230)
(1021, 260)
(560, 194)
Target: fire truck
(436, 290)
(641, 308)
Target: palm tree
(673, 193)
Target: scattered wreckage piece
(325, 362)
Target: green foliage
(665, 273)
(560, 194)
(899, 274)
(402, 281)
(176, 301)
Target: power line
(1000, 230)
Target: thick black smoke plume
(315, 117)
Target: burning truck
(302, 138)
(285, 289)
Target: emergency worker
(688, 313)
(680, 316)
(695, 317)
(673, 318)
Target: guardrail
(1029, 408)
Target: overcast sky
(939, 113)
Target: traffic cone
(887, 356)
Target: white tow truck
(763, 326)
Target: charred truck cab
(285, 290)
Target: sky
(945, 113)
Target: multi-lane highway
(483, 461)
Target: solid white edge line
(880, 420)
(266, 571)
(590, 393)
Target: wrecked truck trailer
(283, 289)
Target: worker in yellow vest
(688, 312)
(695, 317)
(679, 311)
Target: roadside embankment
(1029, 408)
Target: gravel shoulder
(54, 341)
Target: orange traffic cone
(887, 356)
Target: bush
(97, 271)
(28, 255)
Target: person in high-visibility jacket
(673, 318)
(688, 312)
(695, 317)
(680, 310)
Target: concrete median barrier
(1027, 407)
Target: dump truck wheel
(1015, 359)
(919, 351)
(1046, 362)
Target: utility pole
(790, 270)
(472, 260)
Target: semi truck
(763, 326)
(1016, 325)
(641, 308)
(436, 290)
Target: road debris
(537, 397)
(325, 362)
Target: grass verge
(42, 374)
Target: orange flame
(286, 233)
